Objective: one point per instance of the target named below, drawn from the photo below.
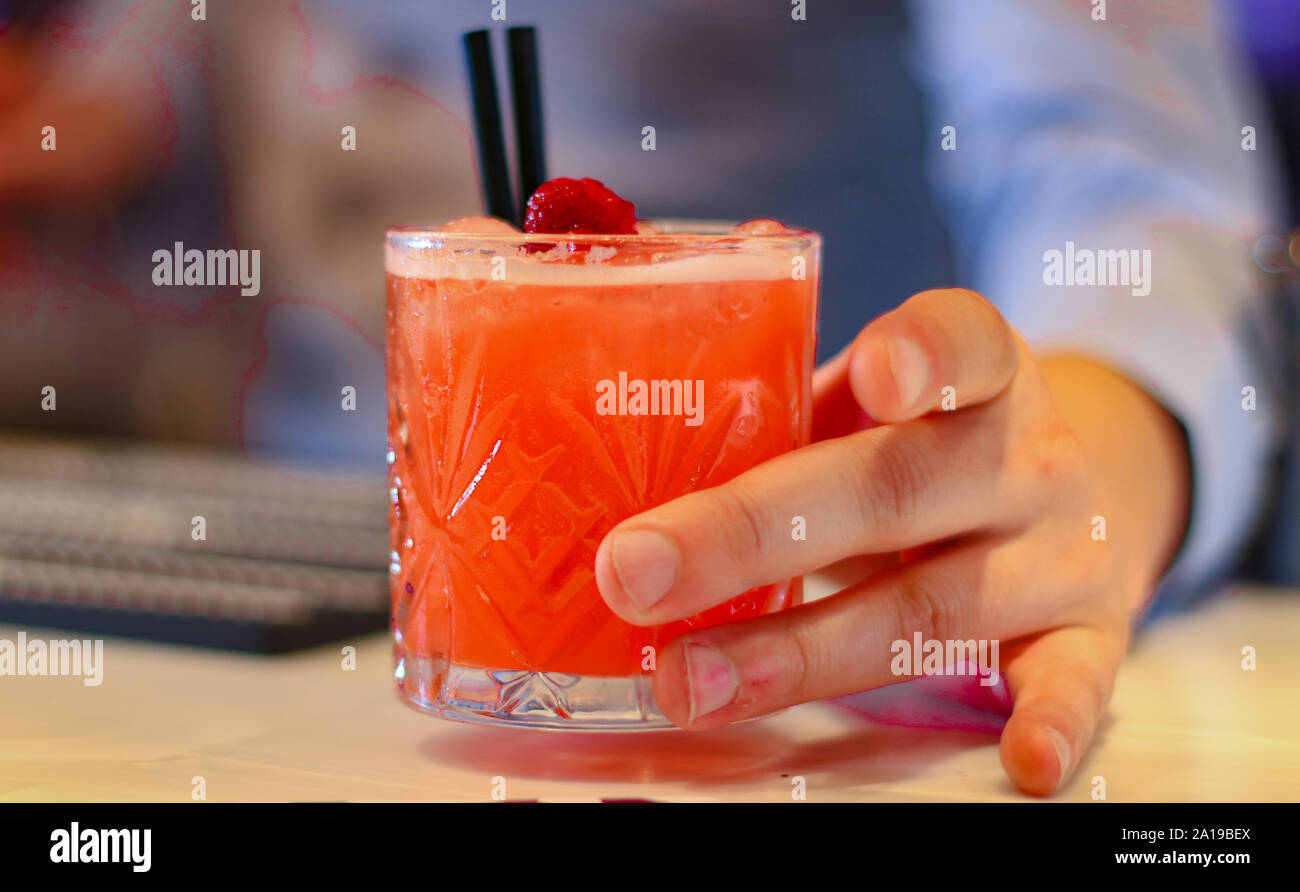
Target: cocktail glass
(543, 388)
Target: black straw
(529, 138)
(487, 124)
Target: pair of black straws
(529, 141)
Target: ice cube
(762, 226)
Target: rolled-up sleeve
(1071, 134)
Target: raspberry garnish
(584, 206)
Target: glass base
(526, 699)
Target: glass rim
(677, 233)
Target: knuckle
(924, 609)
(1056, 467)
(742, 526)
(799, 659)
(891, 484)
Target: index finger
(876, 491)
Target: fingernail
(646, 565)
(712, 679)
(910, 368)
(1062, 754)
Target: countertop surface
(1187, 722)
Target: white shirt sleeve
(1075, 135)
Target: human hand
(977, 522)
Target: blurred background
(226, 133)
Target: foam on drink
(448, 259)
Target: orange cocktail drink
(541, 390)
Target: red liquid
(506, 477)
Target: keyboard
(189, 545)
